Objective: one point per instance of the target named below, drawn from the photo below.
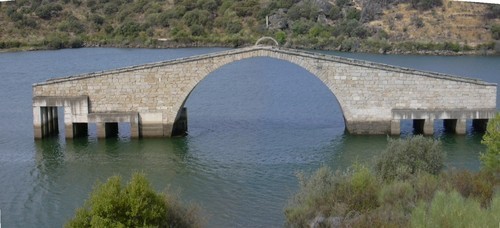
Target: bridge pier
(74, 129)
(45, 121)
(461, 127)
(151, 125)
(107, 123)
(68, 130)
(55, 120)
(181, 124)
(395, 127)
(368, 127)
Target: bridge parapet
(267, 51)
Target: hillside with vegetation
(386, 26)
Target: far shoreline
(176, 45)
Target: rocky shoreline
(171, 44)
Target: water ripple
(252, 125)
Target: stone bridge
(374, 97)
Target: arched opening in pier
(263, 96)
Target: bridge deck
(281, 50)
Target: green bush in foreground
(133, 205)
(332, 194)
(406, 157)
(479, 186)
(452, 210)
(491, 159)
(412, 195)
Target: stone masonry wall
(367, 92)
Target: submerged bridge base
(77, 117)
(453, 120)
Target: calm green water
(252, 125)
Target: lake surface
(252, 125)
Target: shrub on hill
(495, 31)
(426, 4)
(47, 11)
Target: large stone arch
(313, 70)
(373, 97)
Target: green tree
(301, 26)
(189, 4)
(335, 13)
(495, 31)
(342, 3)
(353, 14)
(133, 205)
(332, 194)
(281, 37)
(406, 157)
(129, 29)
(111, 8)
(210, 5)
(491, 159)
(197, 30)
(72, 24)
(14, 15)
(27, 22)
(197, 17)
(452, 210)
(494, 11)
(316, 30)
(55, 41)
(48, 11)
(96, 19)
(306, 10)
(426, 4)
(233, 27)
(246, 8)
(285, 3)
